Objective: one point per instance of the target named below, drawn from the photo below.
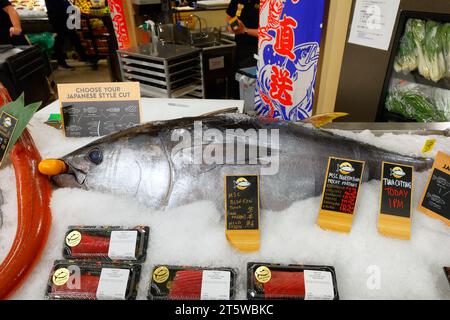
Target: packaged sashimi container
(302, 282)
(84, 280)
(192, 283)
(106, 243)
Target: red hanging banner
(120, 23)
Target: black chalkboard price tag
(242, 211)
(340, 192)
(98, 109)
(436, 198)
(394, 219)
(8, 125)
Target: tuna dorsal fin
(221, 111)
(322, 119)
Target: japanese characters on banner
(289, 41)
(119, 23)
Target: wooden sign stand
(394, 219)
(242, 212)
(338, 219)
(435, 200)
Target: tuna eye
(95, 156)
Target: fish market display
(156, 165)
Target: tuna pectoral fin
(320, 120)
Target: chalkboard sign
(396, 189)
(99, 118)
(8, 124)
(342, 183)
(242, 202)
(436, 198)
(98, 109)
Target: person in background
(58, 17)
(10, 27)
(245, 29)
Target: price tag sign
(396, 197)
(8, 125)
(436, 198)
(242, 211)
(98, 109)
(340, 192)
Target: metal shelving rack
(167, 71)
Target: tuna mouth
(62, 173)
(73, 178)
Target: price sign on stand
(436, 198)
(394, 219)
(98, 109)
(340, 192)
(242, 211)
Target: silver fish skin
(1, 212)
(143, 163)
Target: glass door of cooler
(417, 84)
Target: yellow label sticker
(263, 274)
(73, 238)
(429, 145)
(60, 276)
(161, 274)
(239, 10)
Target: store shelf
(415, 77)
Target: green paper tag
(14, 118)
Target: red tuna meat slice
(187, 285)
(91, 245)
(87, 288)
(284, 284)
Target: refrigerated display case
(367, 74)
(417, 84)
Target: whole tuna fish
(149, 163)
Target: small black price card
(340, 192)
(242, 202)
(342, 185)
(98, 109)
(436, 198)
(7, 126)
(396, 190)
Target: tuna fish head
(133, 164)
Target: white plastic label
(122, 245)
(112, 284)
(216, 63)
(373, 23)
(318, 285)
(215, 285)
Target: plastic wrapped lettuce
(418, 31)
(417, 102)
(444, 33)
(406, 59)
(441, 99)
(433, 52)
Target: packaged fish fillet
(84, 280)
(106, 243)
(276, 281)
(192, 283)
